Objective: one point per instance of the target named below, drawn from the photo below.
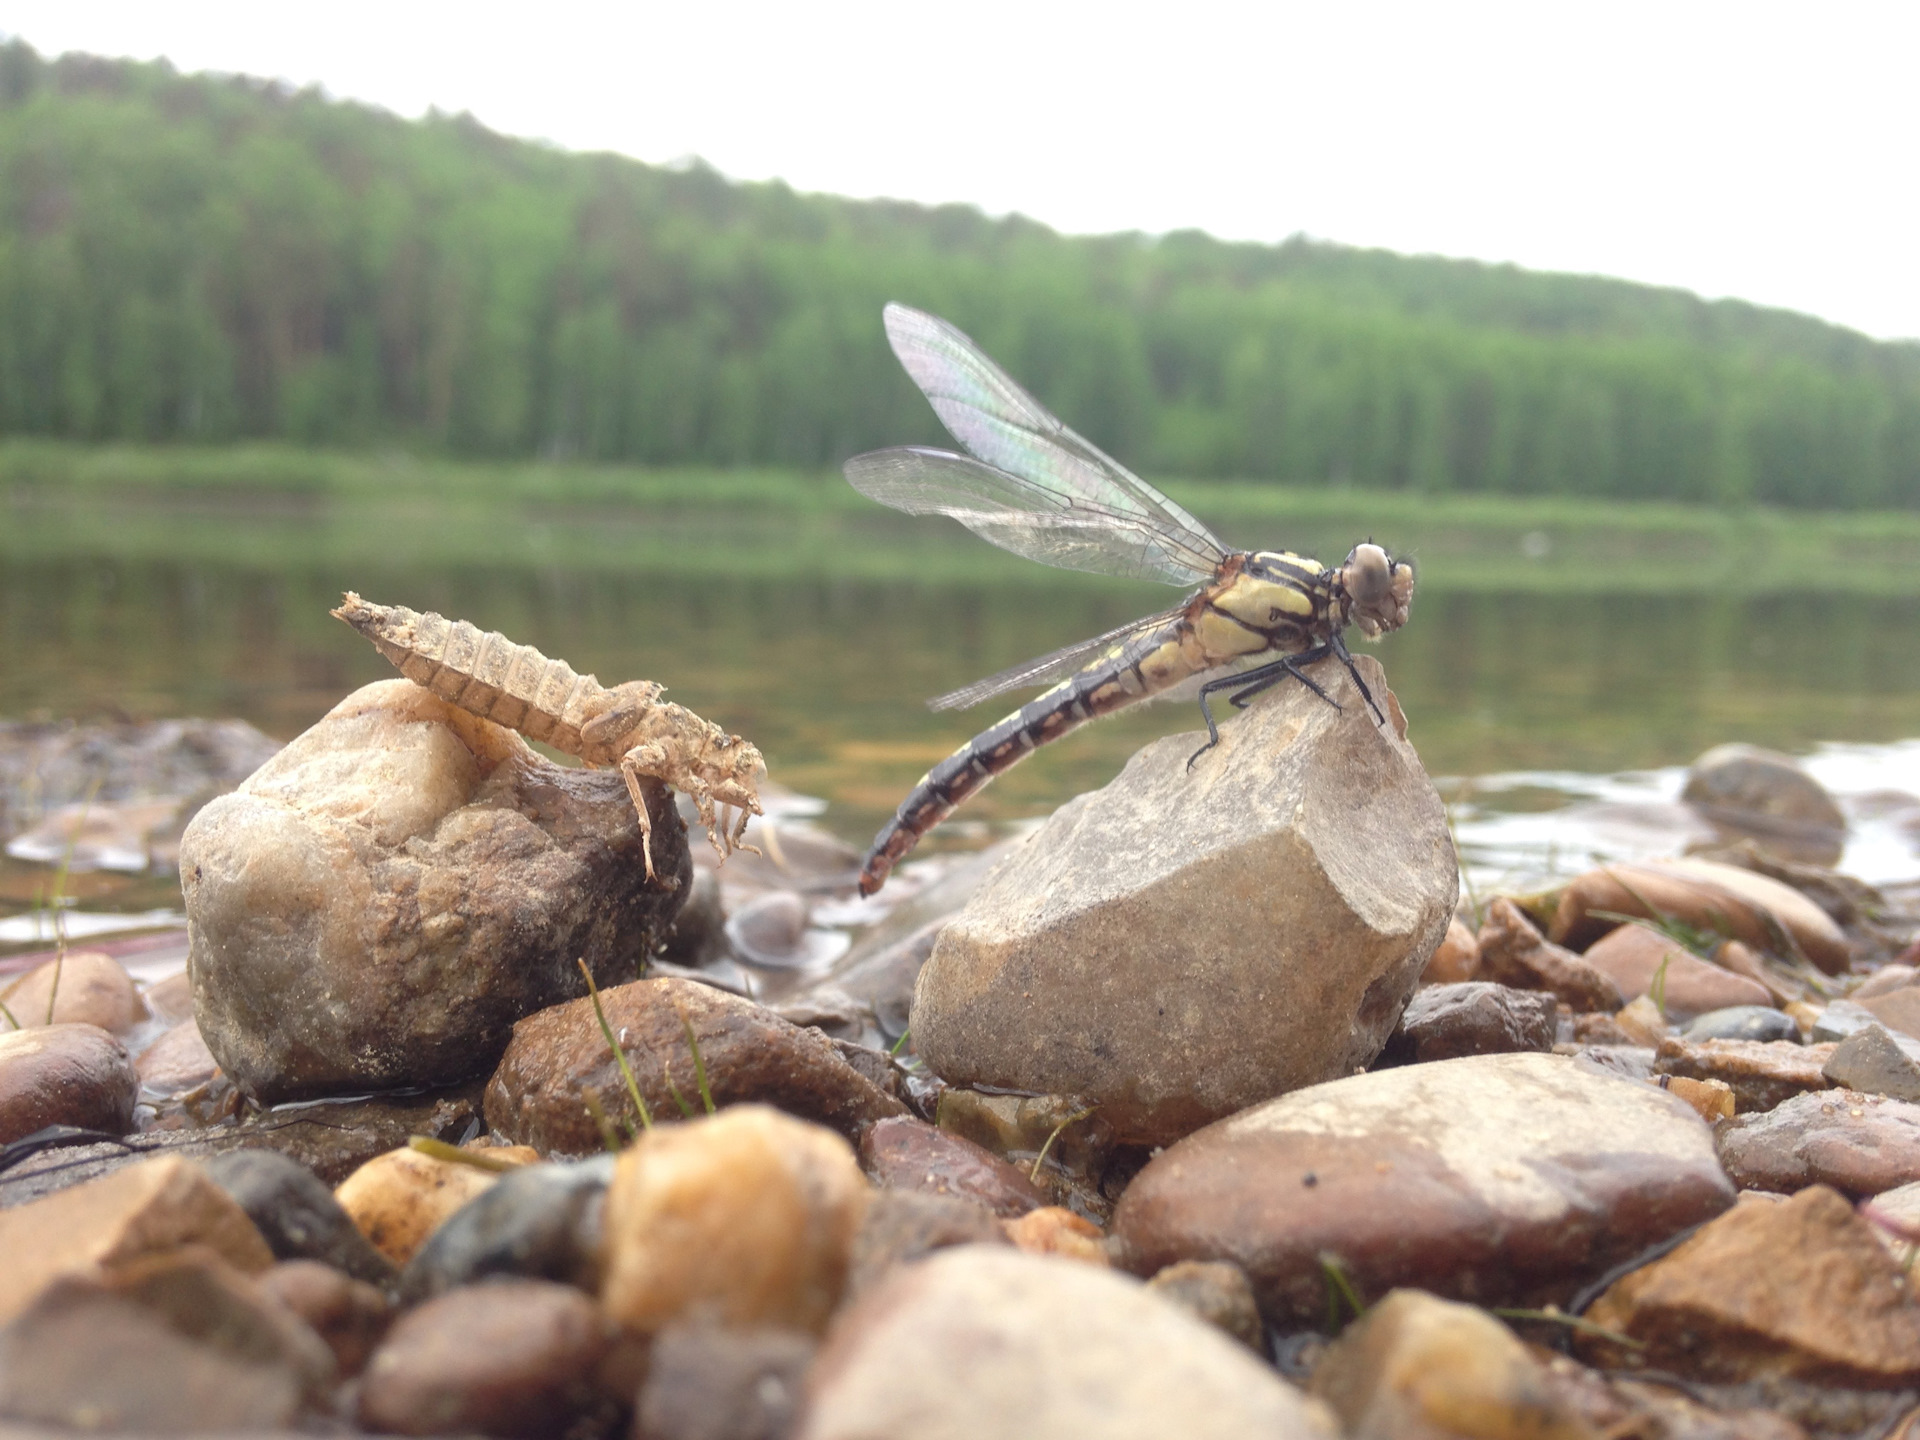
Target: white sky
(1760, 150)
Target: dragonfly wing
(1027, 518)
(998, 422)
(1047, 669)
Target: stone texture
(1496, 1178)
(750, 1054)
(152, 1208)
(1476, 1017)
(65, 1075)
(348, 1315)
(1218, 1293)
(1873, 1061)
(1049, 1348)
(1751, 907)
(1744, 791)
(1858, 1144)
(512, 1358)
(178, 1061)
(903, 1153)
(906, 1225)
(93, 989)
(400, 1198)
(746, 1217)
(379, 903)
(1513, 952)
(1297, 880)
(1743, 1022)
(296, 1214)
(1419, 1368)
(172, 1343)
(709, 1383)
(539, 1223)
(1798, 1290)
(1761, 1073)
(1632, 955)
(1456, 960)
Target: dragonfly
(1030, 485)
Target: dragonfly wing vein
(1048, 668)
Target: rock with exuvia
(377, 905)
(1192, 939)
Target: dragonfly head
(1379, 589)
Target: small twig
(9, 1014)
(619, 1055)
(1041, 1158)
(454, 1155)
(893, 1052)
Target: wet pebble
(1513, 952)
(905, 1225)
(538, 1223)
(296, 1214)
(65, 1075)
(707, 1382)
(1298, 880)
(400, 1198)
(1456, 960)
(178, 1061)
(171, 1343)
(349, 1315)
(1858, 1144)
(514, 1358)
(1743, 1022)
(88, 987)
(1051, 1348)
(560, 1055)
(1634, 955)
(1415, 1365)
(1795, 1290)
(902, 1153)
(1877, 1062)
(447, 878)
(1761, 1073)
(1505, 1178)
(1472, 1018)
(1217, 1292)
(746, 1217)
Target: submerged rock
(379, 903)
(1184, 943)
(1497, 1178)
(1049, 1347)
(65, 1075)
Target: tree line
(212, 258)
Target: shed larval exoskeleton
(627, 726)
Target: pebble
(400, 1198)
(1711, 1100)
(542, 1222)
(349, 1315)
(1897, 1009)
(1761, 1073)
(170, 1000)
(175, 1343)
(1641, 1022)
(1742, 790)
(750, 1055)
(1743, 1022)
(154, 1205)
(93, 989)
(1798, 1290)
(1839, 1019)
(514, 1358)
(770, 932)
(1708, 896)
(178, 1061)
(713, 1383)
(65, 1075)
(905, 1225)
(1858, 1144)
(1415, 1365)
(1633, 955)
(1886, 978)
(1050, 1348)
(1297, 880)
(1456, 960)
(443, 879)
(1504, 1178)
(1219, 1293)
(1474, 1017)
(1514, 952)
(1056, 1230)
(1896, 1214)
(1874, 1061)
(746, 1217)
(902, 1153)
(296, 1214)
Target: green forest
(202, 259)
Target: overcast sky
(1765, 151)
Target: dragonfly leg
(1339, 649)
(1249, 683)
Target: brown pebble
(1513, 952)
(93, 990)
(903, 1153)
(349, 1315)
(1219, 1292)
(65, 1075)
(1455, 959)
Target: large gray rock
(378, 904)
(1182, 944)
